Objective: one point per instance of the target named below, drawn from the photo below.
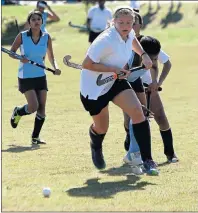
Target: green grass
(64, 164)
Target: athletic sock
(143, 137)
(127, 132)
(168, 142)
(133, 143)
(38, 123)
(96, 139)
(23, 110)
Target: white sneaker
(135, 161)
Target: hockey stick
(78, 66)
(19, 57)
(71, 64)
(148, 102)
(84, 27)
(148, 99)
(101, 81)
(17, 26)
(148, 111)
(81, 27)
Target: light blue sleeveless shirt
(34, 52)
(43, 26)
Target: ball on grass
(46, 192)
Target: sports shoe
(98, 158)
(37, 141)
(135, 161)
(172, 159)
(127, 142)
(15, 118)
(150, 167)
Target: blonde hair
(124, 11)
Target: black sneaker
(15, 118)
(37, 141)
(98, 158)
(172, 159)
(150, 167)
(127, 142)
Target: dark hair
(150, 45)
(35, 12)
(43, 2)
(139, 17)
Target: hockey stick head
(101, 81)
(66, 60)
(71, 64)
(80, 27)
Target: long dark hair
(35, 12)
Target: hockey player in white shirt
(107, 56)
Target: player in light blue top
(35, 51)
(41, 6)
(34, 44)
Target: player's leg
(26, 87)
(40, 116)
(98, 109)
(133, 156)
(97, 133)
(129, 103)
(133, 147)
(165, 130)
(30, 107)
(126, 127)
(139, 90)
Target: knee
(137, 115)
(32, 107)
(41, 109)
(101, 129)
(160, 117)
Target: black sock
(168, 142)
(38, 123)
(96, 139)
(143, 137)
(23, 110)
(127, 131)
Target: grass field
(64, 164)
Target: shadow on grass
(10, 32)
(149, 16)
(166, 164)
(196, 11)
(93, 188)
(172, 16)
(118, 171)
(17, 149)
